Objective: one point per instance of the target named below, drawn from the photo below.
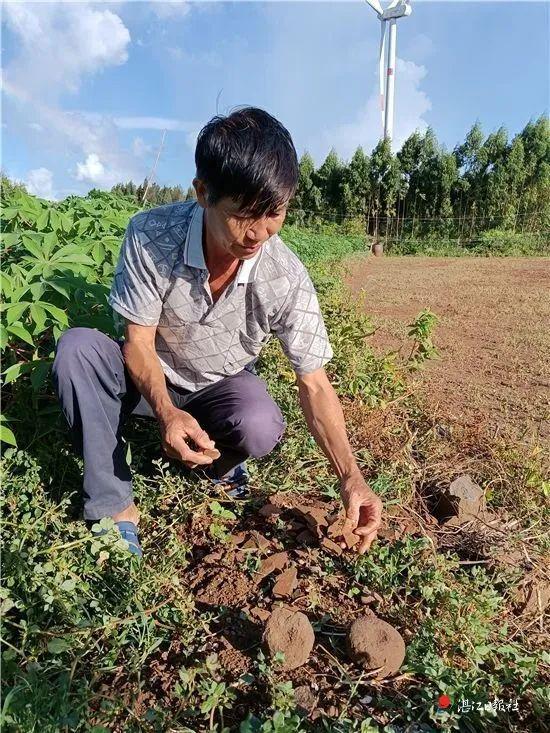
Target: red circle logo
(444, 701)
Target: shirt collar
(194, 255)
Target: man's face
(236, 234)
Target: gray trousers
(97, 396)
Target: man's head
(247, 171)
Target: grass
(93, 641)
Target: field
(492, 333)
(95, 642)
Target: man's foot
(128, 532)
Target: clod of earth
(338, 528)
(376, 645)
(463, 499)
(286, 583)
(260, 613)
(277, 561)
(331, 546)
(256, 540)
(290, 633)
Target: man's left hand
(363, 509)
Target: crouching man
(202, 285)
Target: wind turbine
(386, 67)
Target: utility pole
(154, 168)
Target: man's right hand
(178, 430)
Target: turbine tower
(386, 63)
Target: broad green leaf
(21, 333)
(40, 371)
(50, 241)
(15, 312)
(55, 220)
(56, 312)
(15, 371)
(31, 246)
(39, 315)
(9, 213)
(58, 645)
(6, 435)
(59, 285)
(98, 253)
(43, 220)
(66, 222)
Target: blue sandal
(128, 532)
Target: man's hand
(180, 433)
(363, 509)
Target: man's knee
(260, 430)
(76, 347)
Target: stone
(277, 561)
(463, 498)
(331, 546)
(286, 583)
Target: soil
(492, 335)
(265, 586)
(376, 645)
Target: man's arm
(177, 427)
(325, 420)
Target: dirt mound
(290, 633)
(376, 645)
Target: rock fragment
(260, 613)
(286, 583)
(339, 528)
(376, 645)
(331, 546)
(290, 633)
(463, 499)
(277, 561)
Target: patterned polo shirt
(161, 279)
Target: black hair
(250, 157)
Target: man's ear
(200, 190)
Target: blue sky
(88, 87)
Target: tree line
(486, 182)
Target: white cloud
(169, 9)
(140, 147)
(411, 103)
(92, 170)
(59, 43)
(58, 46)
(151, 123)
(40, 183)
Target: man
(202, 286)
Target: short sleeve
(138, 286)
(300, 328)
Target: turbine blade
(375, 5)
